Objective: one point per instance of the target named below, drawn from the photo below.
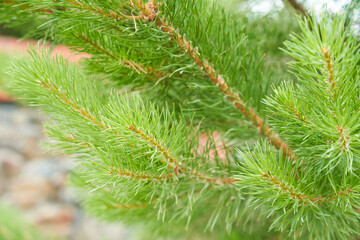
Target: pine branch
(139, 68)
(171, 161)
(326, 66)
(90, 9)
(301, 197)
(267, 175)
(150, 14)
(177, 170)
(298, 115)
(97, 47)
(81, 110)
(128, 174)
(23, 6)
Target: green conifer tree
(163, 76)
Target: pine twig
(331, 82)
(139, 68)
(141, 176)
(301, 197)
(297, 6)
(329, 68)
(293, 194)
(178, 168)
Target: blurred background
(33, 182)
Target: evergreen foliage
(165, 74)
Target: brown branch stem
(298, 115)
(329, 68)
(331, 82)
(139, 68)
(293, 194)
(297, 6)
(301, 196)
(63, 98)
(78, 4)
(140, 176)
(177, 165)
(26, 7)
(97, 47)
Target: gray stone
(27, 191)
(11, 162)
(53, 218)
